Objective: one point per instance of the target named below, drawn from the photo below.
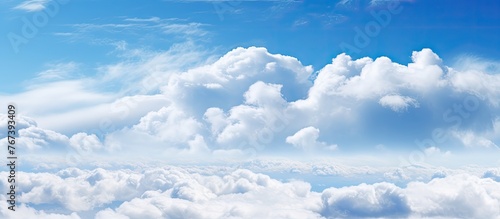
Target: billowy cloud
(250, 101)
(397, 103)
(307, 139)
(176, 192)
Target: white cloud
(103, 118)
(397, 174)
(151, 19)
(77, 95)
(431, 151)
(397, 103)
(178, 31)
(477, 198)
(384, 76)
(169, 133)
(482, 84)
(233, 74)
(307, 139)
(205, 192)
(38, 139)
(455, 196)
(22, 122)
(265, 95)
(32, 139)
(378, 200)
(255, 121)
(339, 87)
(85, 143)
(163, 191)
(187, 29)
(32, 5)
(57, 71)
(171, 124)
(473, 140)
(466, 63)
(88, 105)
(25, 211)
(82, 192)
(247, 101)
(349, 4)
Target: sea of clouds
(88, 153)
(216, 192)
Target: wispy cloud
(349, 4)
(63, 34)
(32, 5)
(57, 71)
(134, 29)
(235, 1)
(329, 19)
(300, 22)
(385, 2)
(152, 19)
(359, 4)
(191, 29)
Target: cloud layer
(176, 192)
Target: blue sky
(200, 109)
(309, 30)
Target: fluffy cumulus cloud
(202, 192)
(258, 101)
(47, 149)
(260, 112)
(378, 200)
(170, 124)
(224, 82)
(250, 101)
(307, 138)
(33, 139)
(166, 193)
(24, 211)
(397, 103)
(85, 142)
(469, 197)
(480, 83)
(457, 196)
